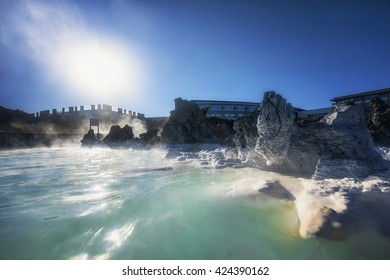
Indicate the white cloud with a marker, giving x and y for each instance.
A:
(43, 27)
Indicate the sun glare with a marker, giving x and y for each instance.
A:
(98, 68)
(78, 60)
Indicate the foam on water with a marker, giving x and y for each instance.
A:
(176, 203)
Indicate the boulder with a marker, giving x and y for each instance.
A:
(188, 124)
(89, 139)
(118, 137)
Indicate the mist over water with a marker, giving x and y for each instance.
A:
(73, 203)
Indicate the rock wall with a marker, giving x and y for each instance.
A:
(119, 137)
(379, 125)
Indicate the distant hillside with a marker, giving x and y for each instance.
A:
(22, 130)
(7, 115)
(17, 121)
(10, 118)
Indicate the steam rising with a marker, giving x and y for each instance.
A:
(139, 126)
(43, 133)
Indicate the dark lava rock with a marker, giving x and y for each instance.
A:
(188, 124)
(89, 139)
(119, 137)
(379, 125)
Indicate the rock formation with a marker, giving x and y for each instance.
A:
(89, 139)
(119, 137)
(338, 146)
(275, 125)
(188, 124)
(340, 139)
(311, 149)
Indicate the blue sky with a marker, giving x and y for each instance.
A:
(142, 54)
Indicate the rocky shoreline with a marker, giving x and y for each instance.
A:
(324, 151)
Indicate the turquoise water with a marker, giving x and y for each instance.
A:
(73, 203)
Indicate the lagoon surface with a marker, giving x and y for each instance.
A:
(73, 203)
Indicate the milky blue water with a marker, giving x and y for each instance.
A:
(73, 203)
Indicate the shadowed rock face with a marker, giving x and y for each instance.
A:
(379, 125)
(89, 139)
(119, 136)
(188, 124)
(246, 131)
(21, 130)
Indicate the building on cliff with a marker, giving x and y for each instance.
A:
(101, 111)
(364, 97)
(321, 112)
(227, 109)
(230, 110)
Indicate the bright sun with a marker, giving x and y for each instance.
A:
(98, 68)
